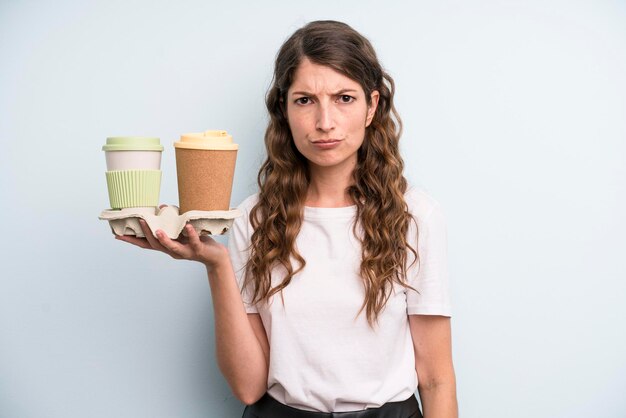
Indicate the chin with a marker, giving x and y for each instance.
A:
(327, 163)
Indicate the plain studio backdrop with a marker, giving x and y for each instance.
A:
(514, 116)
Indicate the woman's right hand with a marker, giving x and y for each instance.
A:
(193, 247)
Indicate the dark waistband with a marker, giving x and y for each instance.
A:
(268, 407)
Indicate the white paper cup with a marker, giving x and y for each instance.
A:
(133, 171)
(133, 160)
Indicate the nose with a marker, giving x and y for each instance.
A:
(325, 120)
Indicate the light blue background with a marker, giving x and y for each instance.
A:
(514, 120)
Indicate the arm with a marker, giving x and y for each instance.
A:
(241, 343)
(433, 363)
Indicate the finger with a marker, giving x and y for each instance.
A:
(194, 238)
(198, 243)
(162, 206)
(173, 247)
(140, 242)
(149, 236)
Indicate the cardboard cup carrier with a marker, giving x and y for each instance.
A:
(205, 167)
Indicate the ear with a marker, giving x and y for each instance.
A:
(371, 109)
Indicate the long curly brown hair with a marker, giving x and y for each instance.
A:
(382, 217)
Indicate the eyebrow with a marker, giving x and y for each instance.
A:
(340, 92)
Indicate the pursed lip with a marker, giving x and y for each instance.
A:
(326, 144)
(325, 141)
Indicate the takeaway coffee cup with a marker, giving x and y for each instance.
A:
(205, 166)
(133, 171)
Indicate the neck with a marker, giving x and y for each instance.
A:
(328, 186)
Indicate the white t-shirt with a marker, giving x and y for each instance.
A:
(322, 356)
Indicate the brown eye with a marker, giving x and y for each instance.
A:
(344, 98)
(303, 100)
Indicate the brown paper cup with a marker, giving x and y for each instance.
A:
(205, 178)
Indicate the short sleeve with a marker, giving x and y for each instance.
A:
(239, 250)
(430, 276)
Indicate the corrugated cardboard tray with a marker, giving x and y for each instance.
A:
(126, 221)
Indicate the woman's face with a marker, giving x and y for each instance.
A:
(327, 114)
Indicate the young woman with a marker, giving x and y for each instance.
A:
(332, 294)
